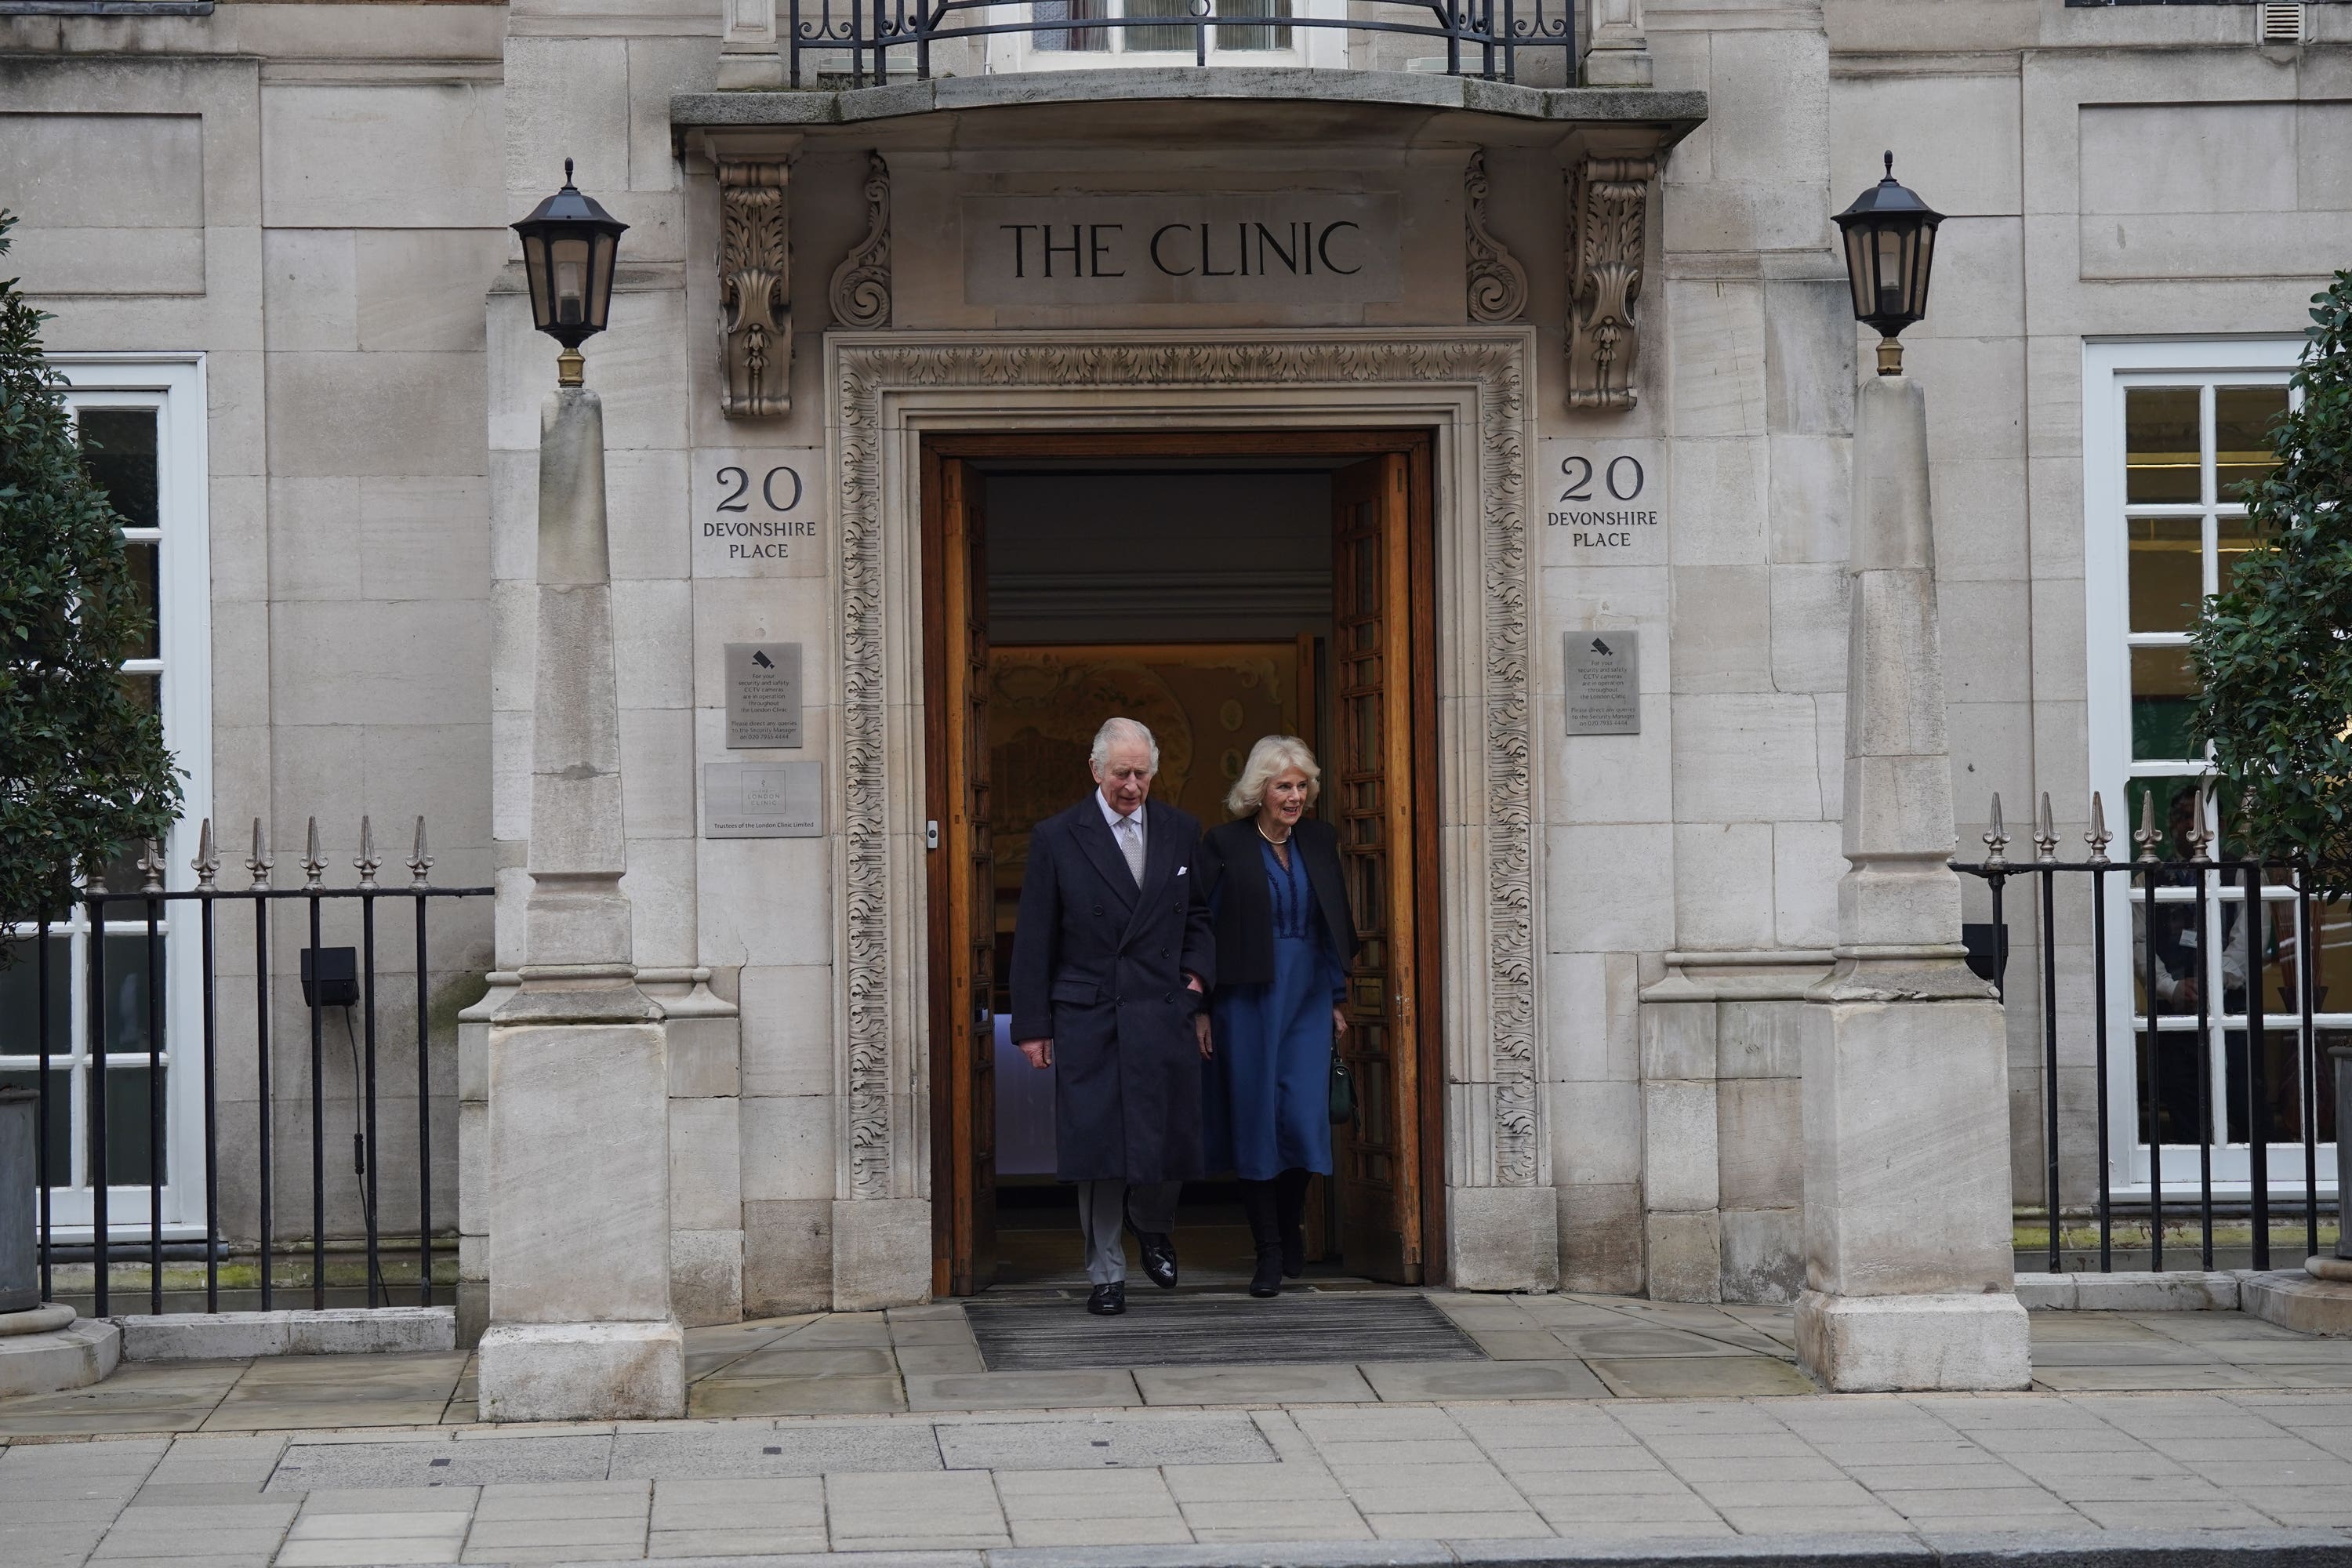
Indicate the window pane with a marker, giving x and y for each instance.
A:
(2243, 417)
(54, 1173)
(147, 691)
(1254, 37)
(119, 445)
(2160, 444)
(129, 1133)
(2163, 694)
(2233, 537)
(1160, 38)
(20, 999)
(1058, 38)
(144, 581)
(127, 980)
(2167, 573)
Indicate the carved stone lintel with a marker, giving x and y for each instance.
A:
(1607, 203)
(1498, 284)
(861, 284)
(755, 288)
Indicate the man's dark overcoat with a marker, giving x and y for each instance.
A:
(1098, 967)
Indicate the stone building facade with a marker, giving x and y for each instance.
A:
(1600, 333)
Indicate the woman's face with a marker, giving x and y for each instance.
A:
(1285, 796)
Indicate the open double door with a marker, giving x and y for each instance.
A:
(1378, 791)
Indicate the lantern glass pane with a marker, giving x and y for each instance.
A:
(534, 266)
(1923, 257)
(568, 271)
(1888, 263)
(600, 297)
(1857, 270)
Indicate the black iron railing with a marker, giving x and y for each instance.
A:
(131, 931)
(2204, 937)
(883, 38)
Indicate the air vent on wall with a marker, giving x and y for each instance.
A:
(2282, 24)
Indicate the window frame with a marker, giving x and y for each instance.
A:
(173, 386)
(1311, 47)
(2110, 369)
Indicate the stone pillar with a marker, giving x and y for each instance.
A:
(1619, 52)
(747, 50)
(1908, 1266)
(581, 1326)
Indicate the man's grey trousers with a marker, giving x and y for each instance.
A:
(1104, 1205)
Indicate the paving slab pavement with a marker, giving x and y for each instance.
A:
(1599, 1431)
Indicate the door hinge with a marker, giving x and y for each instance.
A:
(931, 833)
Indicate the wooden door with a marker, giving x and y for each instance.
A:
(1370, 789)
(962, 878)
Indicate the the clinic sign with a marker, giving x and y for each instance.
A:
(1305, 247)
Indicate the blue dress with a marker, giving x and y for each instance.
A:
(1267, 1105)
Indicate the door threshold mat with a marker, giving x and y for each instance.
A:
(1170, 1330)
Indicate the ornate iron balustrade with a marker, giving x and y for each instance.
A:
(1482, 37)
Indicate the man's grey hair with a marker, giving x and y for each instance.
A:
(1267, 760)
(1114, 730)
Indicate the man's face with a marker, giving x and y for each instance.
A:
(1125, 775)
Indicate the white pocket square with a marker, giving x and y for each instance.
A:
(1183, 871)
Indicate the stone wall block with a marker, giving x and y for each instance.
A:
(1723, 637)
(1719, 353)
(1809, 362)
(1759, 1038)
(706, 1277)
(1679, 1039)
(787, 1029)
(1745, 757)
(1684, 1256)
(1810, 477)
(1722, 490)
(881, 1253)
(550, 118)
(1806, 865)
(1763, 1253)
(1761, 1143)
(1637, 915)
(1808, 627)
(705, 1188)
(787, 1257)
(1723, 881)
(1596, 1133)
(1503, 1239)
(1600, 1239)
(310, 289)
(788, 1147)
(342, 157)
(1592, 1017)
(1680, 1165)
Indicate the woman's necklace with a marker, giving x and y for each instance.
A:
(1269, 837)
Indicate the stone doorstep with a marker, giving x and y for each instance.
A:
(334, 1330)
(2293, 1299)
(2133, 1291)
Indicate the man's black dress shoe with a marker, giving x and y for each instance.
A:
(1106, 1301)
(1159, 1255)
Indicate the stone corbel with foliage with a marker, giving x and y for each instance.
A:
(755, 278)
(1607, 210)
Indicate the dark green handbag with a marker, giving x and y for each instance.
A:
(1343, 1092)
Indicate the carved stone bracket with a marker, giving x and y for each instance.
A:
(1608, 199)
(755, 287)
(861, 284)
(1498, 284)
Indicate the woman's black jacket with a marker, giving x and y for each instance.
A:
(1230, 859)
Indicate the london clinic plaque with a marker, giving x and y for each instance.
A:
(763, 800)
(1604, 683)
(763, 695)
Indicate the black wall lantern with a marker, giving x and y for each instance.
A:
(568, 245)
(1890, 239)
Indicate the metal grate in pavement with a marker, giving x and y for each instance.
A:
(1217, 1331)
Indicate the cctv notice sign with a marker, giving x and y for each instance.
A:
(1604, 683)
(763, 695)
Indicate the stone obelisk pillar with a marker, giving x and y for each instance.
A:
(581, 1326)
(1908, 1268)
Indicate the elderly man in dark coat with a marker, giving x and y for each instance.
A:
(1112, 960)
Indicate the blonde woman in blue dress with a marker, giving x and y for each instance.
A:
(1284, 937)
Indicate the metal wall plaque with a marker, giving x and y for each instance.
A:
(763, 800)
(763, 695)
(1604, 683)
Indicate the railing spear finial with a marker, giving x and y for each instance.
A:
(368, 860)
(2045, 835)
(420, 862)
(206, 865)
(314, 867)
(258, 863)
(151, 866)
(2099, 837)
(2199, 837)
(1996, 837)
(2148, 837)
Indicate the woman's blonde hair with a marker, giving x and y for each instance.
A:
(1267, 759)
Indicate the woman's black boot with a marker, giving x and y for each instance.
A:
(1290, 1214)
(1257, 1203)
